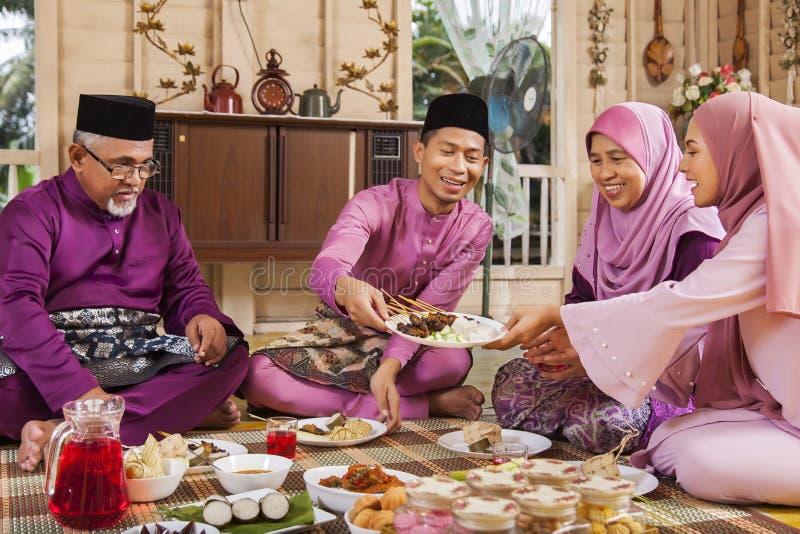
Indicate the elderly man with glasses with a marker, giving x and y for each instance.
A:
(90, 263)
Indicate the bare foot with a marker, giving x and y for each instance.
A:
(35, 437)
(463, 401)
(225, 416)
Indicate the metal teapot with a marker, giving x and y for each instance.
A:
(316, 103)
(222, 98)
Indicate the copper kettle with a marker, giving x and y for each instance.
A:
(222, 98)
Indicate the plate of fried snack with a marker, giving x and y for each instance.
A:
(338, 431)
(198, 454)
(371, 513)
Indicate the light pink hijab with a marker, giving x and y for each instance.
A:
(628, 252)
(755, 144)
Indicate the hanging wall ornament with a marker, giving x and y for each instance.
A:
(599, 17)
(791, 40)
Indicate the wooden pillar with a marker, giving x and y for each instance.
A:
(47, 87)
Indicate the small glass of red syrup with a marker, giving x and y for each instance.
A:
(282, 436)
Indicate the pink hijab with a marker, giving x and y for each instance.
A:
(756, 148)
(628, 252)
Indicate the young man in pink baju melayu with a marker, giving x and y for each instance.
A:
(416, 238)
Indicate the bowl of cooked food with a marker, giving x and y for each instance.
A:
(158, 485)
(246, 472)
(337, 488)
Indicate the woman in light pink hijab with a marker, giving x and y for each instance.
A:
(643, 229)
(742, 444)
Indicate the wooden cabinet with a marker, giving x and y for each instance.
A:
(252, 188)
(312, 193)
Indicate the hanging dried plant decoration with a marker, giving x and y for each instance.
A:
(352, 75)
(791, 40)
(151, 28)
(599, 17)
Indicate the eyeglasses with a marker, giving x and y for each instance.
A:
(146, 170)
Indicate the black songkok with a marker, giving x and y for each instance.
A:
(123, 117)
(459, 110)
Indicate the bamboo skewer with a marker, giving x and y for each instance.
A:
(421, 305)
(396, 310)
(392, 300)
(393, 303)
(430, 308)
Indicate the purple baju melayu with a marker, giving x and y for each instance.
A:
(58, 251)
(385, 237)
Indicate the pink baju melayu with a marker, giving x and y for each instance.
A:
(742, 445)
(385, 237)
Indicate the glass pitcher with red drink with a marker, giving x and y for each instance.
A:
(85, 478)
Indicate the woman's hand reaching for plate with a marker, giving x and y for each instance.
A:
(526, 324)
(553, 353)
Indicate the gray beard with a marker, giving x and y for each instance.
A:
(121, 211)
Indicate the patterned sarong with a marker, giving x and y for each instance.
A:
(332, 351)
(574, 408)
(120, 346)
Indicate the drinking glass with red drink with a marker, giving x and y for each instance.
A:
(85, 476)
(282, 436)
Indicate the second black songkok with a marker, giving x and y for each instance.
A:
(459, 110)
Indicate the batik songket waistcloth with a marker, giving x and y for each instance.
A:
(120, 346)
(574, 408)
(332, 351)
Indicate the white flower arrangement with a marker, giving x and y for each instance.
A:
(698, 86)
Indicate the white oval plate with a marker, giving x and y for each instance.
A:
(230, 447)
(176, 526)
(306, 438)
(645, 482)
(454, 441)
(394, 321)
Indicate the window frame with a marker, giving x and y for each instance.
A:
(45, 153)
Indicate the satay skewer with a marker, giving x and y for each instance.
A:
(396, 303)
(413, 303)
(431, 306)
(396, 310)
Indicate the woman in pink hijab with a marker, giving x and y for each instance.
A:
(643, 229)
(742, 444)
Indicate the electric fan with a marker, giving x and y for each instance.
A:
(515, 91)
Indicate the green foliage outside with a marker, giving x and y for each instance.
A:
(17, 97)
(436, 67)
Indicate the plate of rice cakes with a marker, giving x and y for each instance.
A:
(338, 431)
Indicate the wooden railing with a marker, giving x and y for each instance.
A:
(549, 226)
